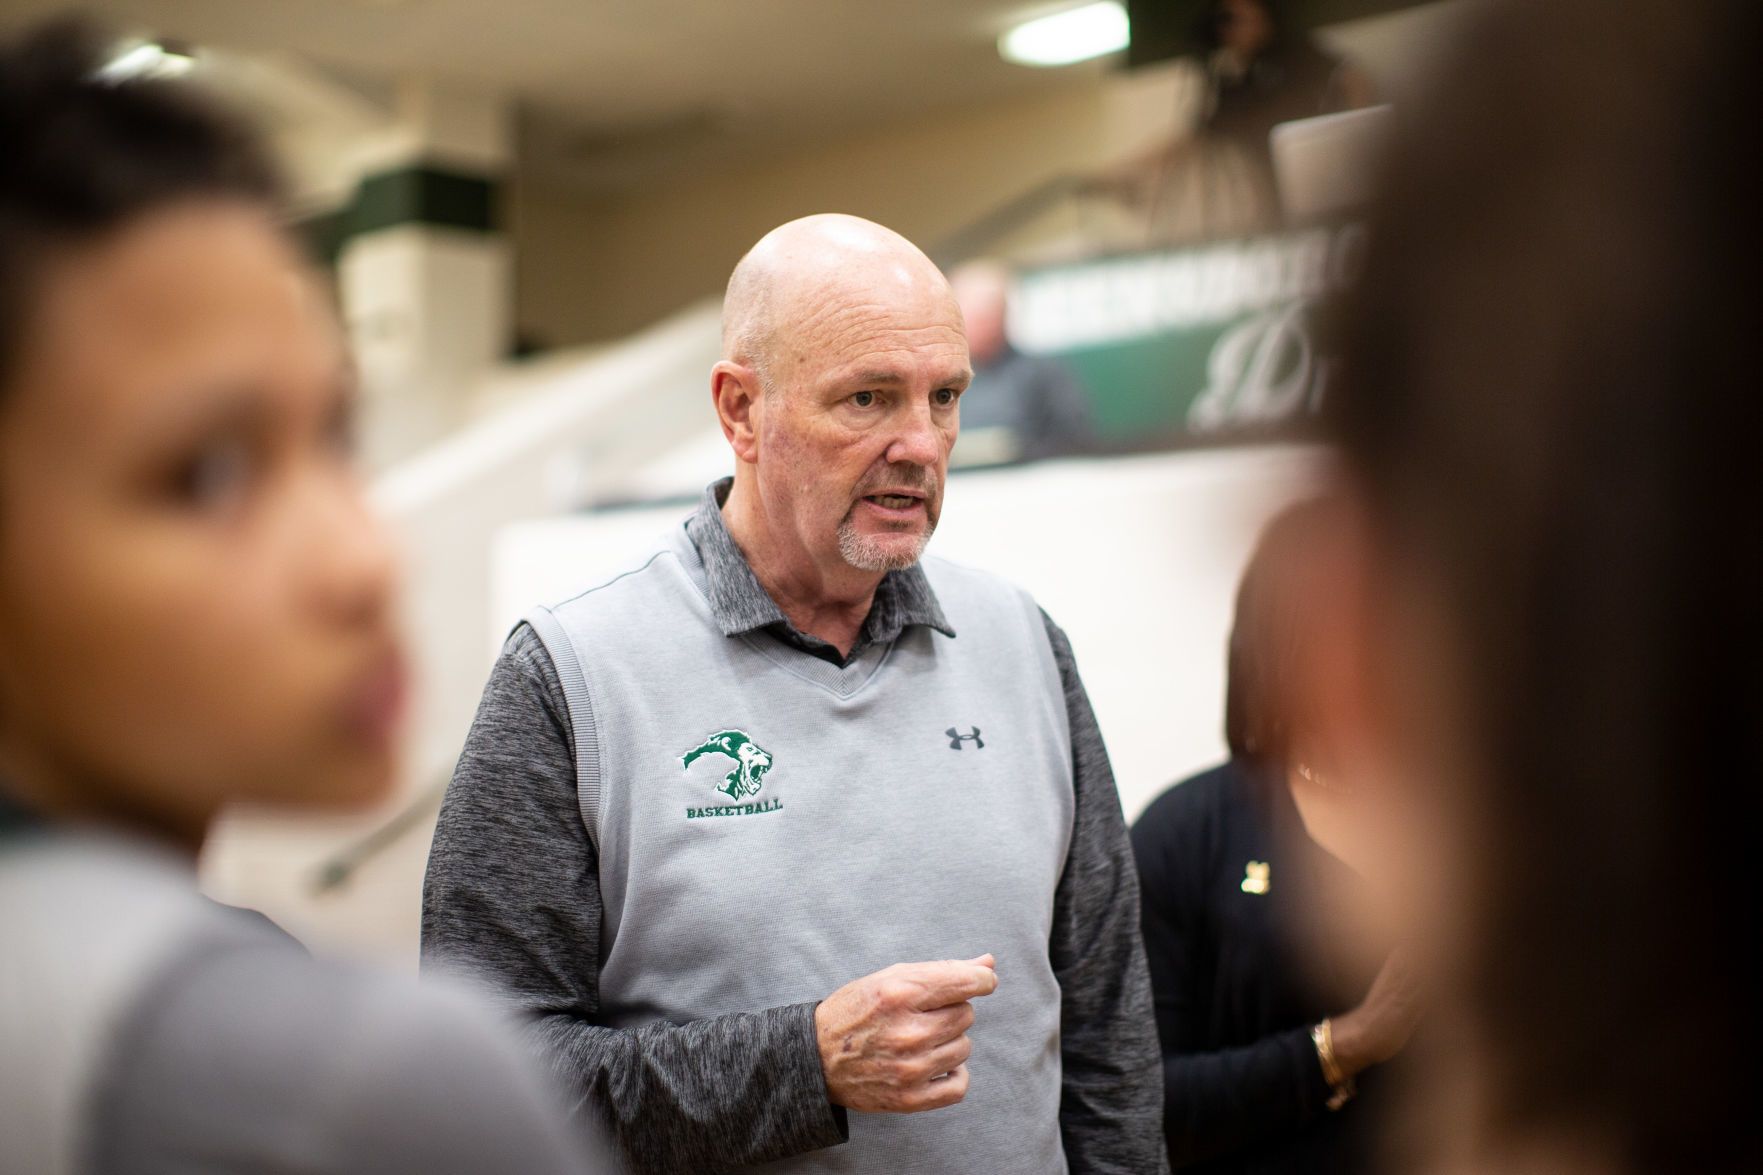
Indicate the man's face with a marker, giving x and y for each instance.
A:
(856, 428)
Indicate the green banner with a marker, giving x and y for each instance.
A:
(1194, 343)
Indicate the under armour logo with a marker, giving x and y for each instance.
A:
(956, 738)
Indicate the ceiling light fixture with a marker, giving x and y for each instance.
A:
(148, 59)
(1076, 34)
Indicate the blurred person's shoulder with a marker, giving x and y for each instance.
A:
(254, 1051)
(150, 1029)
(90, 919)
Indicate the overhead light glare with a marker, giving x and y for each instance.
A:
(1076, 34)
(147, 59)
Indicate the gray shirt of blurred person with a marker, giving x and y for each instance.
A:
(149, 1031)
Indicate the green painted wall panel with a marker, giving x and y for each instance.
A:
(1191, 343)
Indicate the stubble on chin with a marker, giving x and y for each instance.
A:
(884, 553)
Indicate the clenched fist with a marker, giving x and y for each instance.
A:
(896, 1041)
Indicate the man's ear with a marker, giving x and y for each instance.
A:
(734, 390)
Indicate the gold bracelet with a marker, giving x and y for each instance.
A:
(1322, 1036)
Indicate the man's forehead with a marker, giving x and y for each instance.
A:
(835, 327)
(887, 350)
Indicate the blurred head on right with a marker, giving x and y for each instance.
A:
(1547, 642)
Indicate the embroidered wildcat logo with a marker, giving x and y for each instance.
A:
(752, 761)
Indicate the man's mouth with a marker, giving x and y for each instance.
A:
(894, 501)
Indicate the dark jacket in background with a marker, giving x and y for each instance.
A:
(1235, 996)
(1022, 407)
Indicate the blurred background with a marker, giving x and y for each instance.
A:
(528, 210)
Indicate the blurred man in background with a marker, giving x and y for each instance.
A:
(723, 823)
(195, 609)
(1019, 407)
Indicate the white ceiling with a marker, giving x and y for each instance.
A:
(635, 83)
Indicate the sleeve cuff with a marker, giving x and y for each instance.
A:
(831, 1125)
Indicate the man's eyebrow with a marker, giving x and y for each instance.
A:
(881, 376)
(878, 376)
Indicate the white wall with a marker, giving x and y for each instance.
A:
(1136, 558)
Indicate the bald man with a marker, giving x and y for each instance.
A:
(1020, 407)
(800, 849)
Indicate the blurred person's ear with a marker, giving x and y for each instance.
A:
(735, 391)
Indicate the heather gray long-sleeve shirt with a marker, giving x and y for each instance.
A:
(513, 893)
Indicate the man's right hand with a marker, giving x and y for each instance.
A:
(896, 1042)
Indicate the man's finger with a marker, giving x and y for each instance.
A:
(949, 982)
(947, 1058)
(944, 1091)
(941, 1025)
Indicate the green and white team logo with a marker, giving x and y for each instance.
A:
(752, 761)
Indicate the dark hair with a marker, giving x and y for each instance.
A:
(81, 156)
(1550, 399)
(1267, 637)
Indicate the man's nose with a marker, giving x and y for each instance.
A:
(919, 442)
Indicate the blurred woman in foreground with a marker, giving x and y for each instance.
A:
(195, 609)
(1270, 1015)
(1548, 626)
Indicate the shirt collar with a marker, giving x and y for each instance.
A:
(741, 603)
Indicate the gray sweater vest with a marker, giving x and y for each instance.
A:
(771, 826)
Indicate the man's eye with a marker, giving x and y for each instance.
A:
(863, 399)
(946, 396)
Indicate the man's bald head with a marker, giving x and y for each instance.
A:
(803, 275)
(983, 290)
(839, 474)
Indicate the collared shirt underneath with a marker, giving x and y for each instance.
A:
(741, 603)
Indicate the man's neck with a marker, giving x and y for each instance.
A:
(826, 602)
